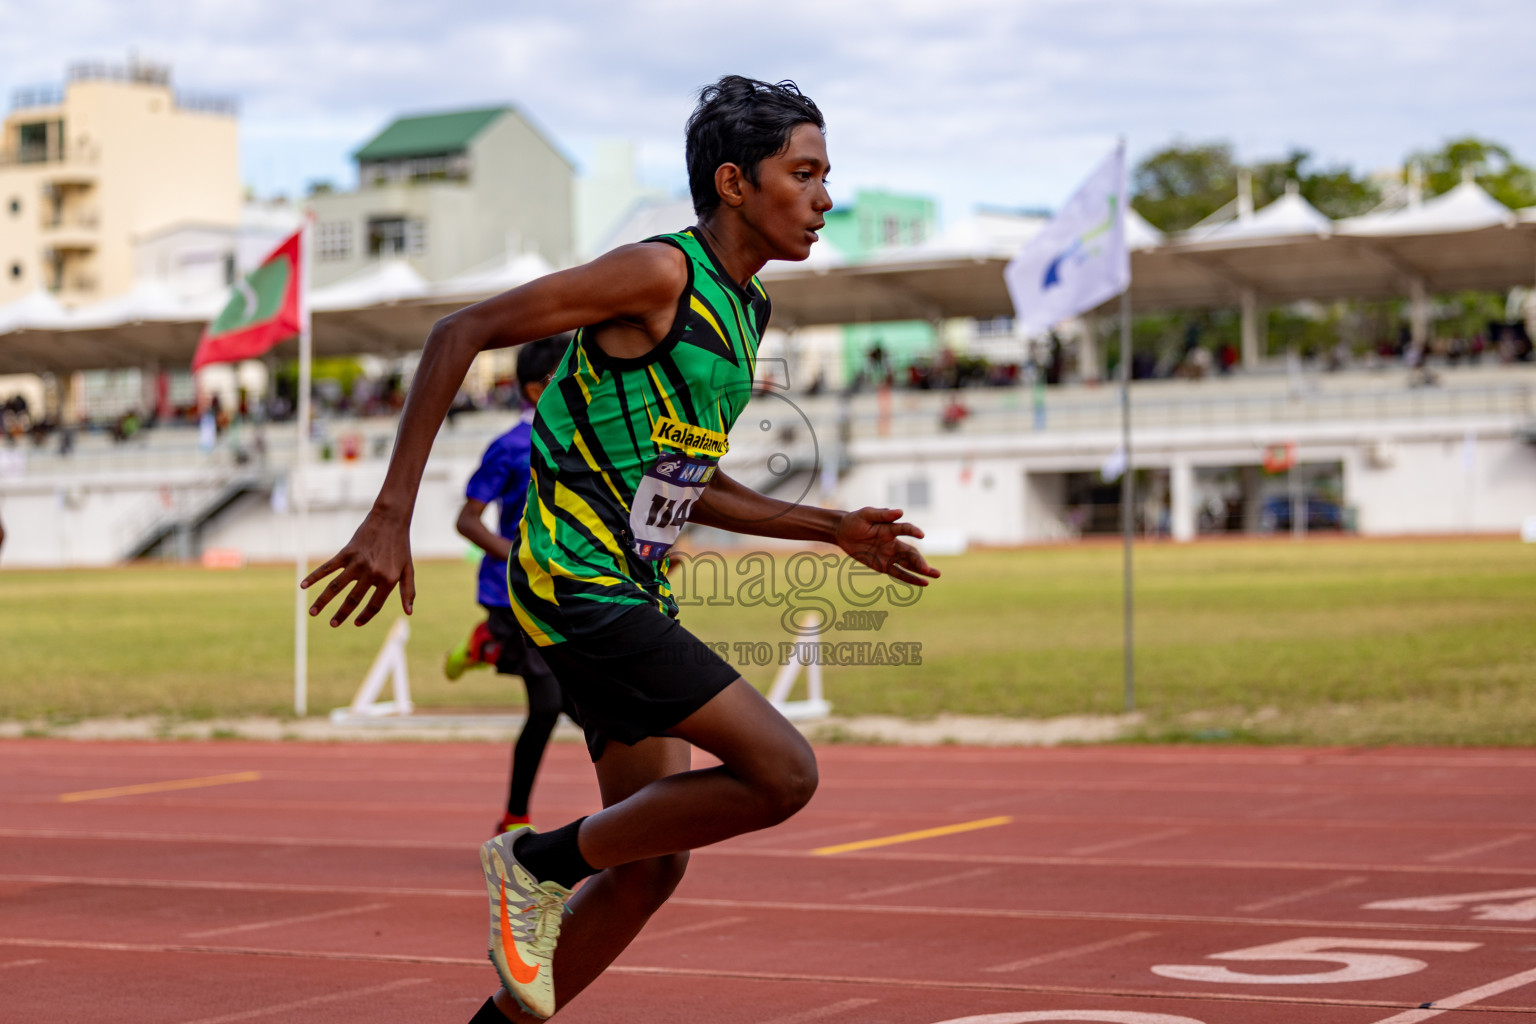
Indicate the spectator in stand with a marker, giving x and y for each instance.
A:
(1055, 364)
(1226, 358)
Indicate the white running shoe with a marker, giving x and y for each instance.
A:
(525, 925)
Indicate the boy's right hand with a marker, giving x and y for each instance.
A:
(376, 558)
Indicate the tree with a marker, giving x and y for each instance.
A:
(1181, 185)
(1335, 191)
(1494, 166)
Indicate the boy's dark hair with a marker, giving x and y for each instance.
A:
(741, 121)
(537, 360)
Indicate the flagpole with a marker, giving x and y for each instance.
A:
(1127, 496)
(1128, 479)
(300, 492)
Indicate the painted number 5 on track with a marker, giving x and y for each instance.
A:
(1351, 966)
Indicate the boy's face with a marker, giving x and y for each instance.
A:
(788, 203)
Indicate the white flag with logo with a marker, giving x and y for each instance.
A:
(1079, 259)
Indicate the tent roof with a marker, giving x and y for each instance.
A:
(387, 281)
(389, 309)
(1466, 207)
(37, 309)
(1288, 216)
(506, 271)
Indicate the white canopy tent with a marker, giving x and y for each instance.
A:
(1284, 252)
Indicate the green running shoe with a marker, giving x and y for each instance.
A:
(479, 650)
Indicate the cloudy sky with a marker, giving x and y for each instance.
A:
(1003, 102)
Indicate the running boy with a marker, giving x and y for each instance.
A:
(502, 477)
(626, 443)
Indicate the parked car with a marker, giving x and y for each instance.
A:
(1322, 513)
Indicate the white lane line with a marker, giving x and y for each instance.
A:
(478, 964)
(279, 922)
(926, 883)
(795, 837)
(299, 1004)
(996, 801)
(197, 885)
(20, 963)
(698, 926)
(820, 1012)
(790, 907)
(344, 842)
(293, 954)
(1064, 954)
(1304, 894)
(1469, 851)
(1281, 810)
(340, 842)
(1460, 999)
(1118, 844)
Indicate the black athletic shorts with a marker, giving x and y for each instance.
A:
(638, 677)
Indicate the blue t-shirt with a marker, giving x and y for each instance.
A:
(502, 478)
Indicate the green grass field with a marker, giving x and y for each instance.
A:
(1329, 641)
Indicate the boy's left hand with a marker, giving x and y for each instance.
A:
(872, 536)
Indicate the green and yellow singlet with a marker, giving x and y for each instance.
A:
(623, 448)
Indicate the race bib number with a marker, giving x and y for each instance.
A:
(664, 500)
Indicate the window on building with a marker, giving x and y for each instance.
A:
(892, 231)
(229, 268)
(438, 167)
(912, 493)
(334, 240)
(40, 141)
(397, 236)
(15, 206)
(15, 271)
(386, 236)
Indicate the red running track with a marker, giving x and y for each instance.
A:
(306, 883)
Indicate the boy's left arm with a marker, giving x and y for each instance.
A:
(870, 535)
(473, 529)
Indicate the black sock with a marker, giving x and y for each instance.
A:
(488, 1014)
(553, 856)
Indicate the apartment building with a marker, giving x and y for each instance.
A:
(90, 167)
(448, 193)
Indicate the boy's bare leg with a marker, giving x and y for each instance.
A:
(612, 906)
(655, 810)
(767, 773)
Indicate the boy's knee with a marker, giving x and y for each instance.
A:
(794, 785)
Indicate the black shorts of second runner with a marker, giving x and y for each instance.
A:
(517, 654)
(640, 676)
(519, 657)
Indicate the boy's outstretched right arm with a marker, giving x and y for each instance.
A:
(637, 286)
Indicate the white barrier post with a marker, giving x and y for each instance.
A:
(814, 705)
(388, 666)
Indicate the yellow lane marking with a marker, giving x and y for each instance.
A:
(158, 787)
(909, 837)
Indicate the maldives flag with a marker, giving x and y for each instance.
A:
(262, 311)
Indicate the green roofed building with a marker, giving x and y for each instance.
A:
(874, 222)
(450, 193)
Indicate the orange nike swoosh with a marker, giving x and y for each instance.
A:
(522, 973)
